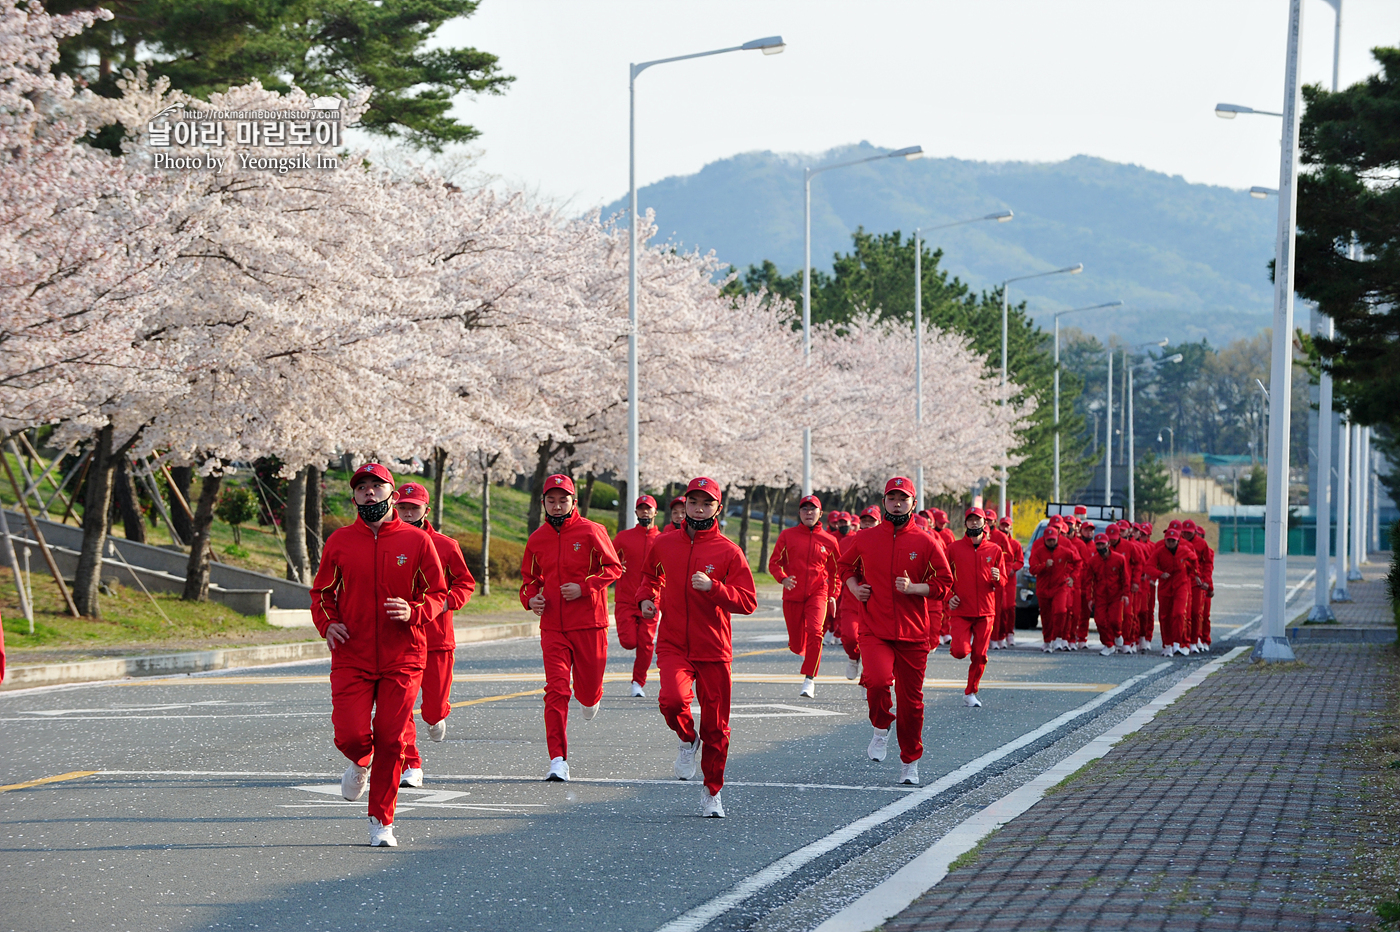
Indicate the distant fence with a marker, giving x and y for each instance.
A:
(1249, 538)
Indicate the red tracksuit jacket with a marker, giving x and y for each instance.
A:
(632, 546)
(972, 577)
(460, 586)
(1106, 579)
(579, 552)
(946, 535)
(1132, 552)
(1181, 565)
(696, 624)
(847, 605)
(878, 556)
(808, 555)
(1064, 565)
(359, 571)
(1205, 560)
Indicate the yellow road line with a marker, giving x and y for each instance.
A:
(775, 650)
(42, 780)
(458, 705)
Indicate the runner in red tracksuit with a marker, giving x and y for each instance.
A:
(892, 568)
(379, 585)
(1149, 587)
(944, 533)
(1108, 581)
(633, 631)
(979, 567)
(568, 564)
(1203, 589)
(1084, 543)
(1128, 548)
(848, 615)
(1174, 567)
(999, 537)
(1054, 563)
(804, 562)
(412, 507)
(1014, 561)
(677, 510)
(700, 577)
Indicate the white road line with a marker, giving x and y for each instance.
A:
(160, 718)
(701, 915)
(921, 874)
(1292, 594)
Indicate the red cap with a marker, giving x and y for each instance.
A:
(678, 500)
(1057, 521)
(559, 481)
(1080, 510)
(900, 484)
(645, 500)
(1005, 522)
(704, 486)
(989, 513)
(1175, 525)
(1100, 537)
(938, 513)
(1189, 525)
(413, 492)
(372, 470)
(1172, 534)
(974, 512)
(1086, 524)
(812, 500)
(1051, 534)
(1145, 528)
(1114, 533)
(872, 511)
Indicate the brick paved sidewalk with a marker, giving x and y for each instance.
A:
(1236, 808)
(1370, 602)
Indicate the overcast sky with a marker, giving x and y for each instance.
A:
(1128, 80)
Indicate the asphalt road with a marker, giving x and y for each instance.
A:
(213, 802)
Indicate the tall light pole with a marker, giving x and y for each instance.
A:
(1005, 289)
(770, 45)
(1339, 592)
(1001, 216)
(1358, 497)
(908, 152)
(1171, 458)
(1058, 315)
(1132, 455)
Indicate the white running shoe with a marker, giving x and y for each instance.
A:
(438, 732)
(1108, 651)
(1205, 647)
(354, 782)
(411, 776)
(971, 701)
(1049, 647)
(853, 669)
(809, 689)
(1168, 651)
(829, 638)
(591, 711)
(637, 691)
(381, 835)
(879, 744)
(558, 770)
(1180, 650)
(946, 639)
(1010, 639)
(1118, 642)
(909, 774)
(686, 759)
(710, 806)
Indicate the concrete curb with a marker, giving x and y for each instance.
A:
(53, 674)
(1341, 634)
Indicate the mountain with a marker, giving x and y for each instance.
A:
(1189, 261)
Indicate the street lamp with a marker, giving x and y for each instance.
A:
(908, 152)
(1132, 455)
(1005, 288)
(1230, 111)
(771, 45)
(1001, 216)
(1058, 315)
(1171, 459)
(1258, 192)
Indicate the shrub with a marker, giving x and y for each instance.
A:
(330, 522)
(505, 556)
(604, 497)
(237, 505)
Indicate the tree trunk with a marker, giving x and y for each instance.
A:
(484, 580)
(586, 498)
(294, 527)
(347, 462)
(744, 521)
(181, 477)
(767, 529)
(315, 505)
(97, 504)
(197, 570)
(782, 517)
(127, 502)
(622, 509)
(439, 477)
(543, 453)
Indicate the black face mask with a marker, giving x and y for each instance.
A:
(419, 522)
(1103, 551)
(976, 531)
(1052, 544)
(699, 524)
(896, 520)
(556, 521)
(643, 522)
(842, 530)
(373, 512)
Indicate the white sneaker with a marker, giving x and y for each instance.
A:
(809, 689)
(909, 774)
(879, 744)
(589, 712)
(829, 638)
(558, 770)
(1168, 651)
(438, 732)
(971, 701)
(411, 776)
(685, 759)
(637, 691)
(1010, 640)
(710, 806)
(381, 835)
(1205, 647)
(354, 782)
(852, 669)
(1118, 642)
(1049, 647)
(946, 639)
(1108, 651)
(1180, 650)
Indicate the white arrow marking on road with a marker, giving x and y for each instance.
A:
(436, 799)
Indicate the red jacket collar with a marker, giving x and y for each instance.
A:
(570, 520)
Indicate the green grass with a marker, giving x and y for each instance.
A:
(969, 857)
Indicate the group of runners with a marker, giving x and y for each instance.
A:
(892, 585)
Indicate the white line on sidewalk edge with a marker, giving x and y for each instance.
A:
(921, 874)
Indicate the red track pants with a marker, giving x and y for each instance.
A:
(901, 663)
(848, 630)
(806, 620)
(1056, 615)
(971, 635)
(681, 679)
(1197, 616)
(1108, 616)
(637, 633)
(1205, 620)
(584, 653)
(1147, 598)
(437, 701)
(371, 712)
(1173, 604)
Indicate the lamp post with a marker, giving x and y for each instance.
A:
(1358, 496)
(1132, 456)
(771, 45)
(1339, 591)
(1005, 288)
(908, 152)
(1058, 315)
(1001, 216)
